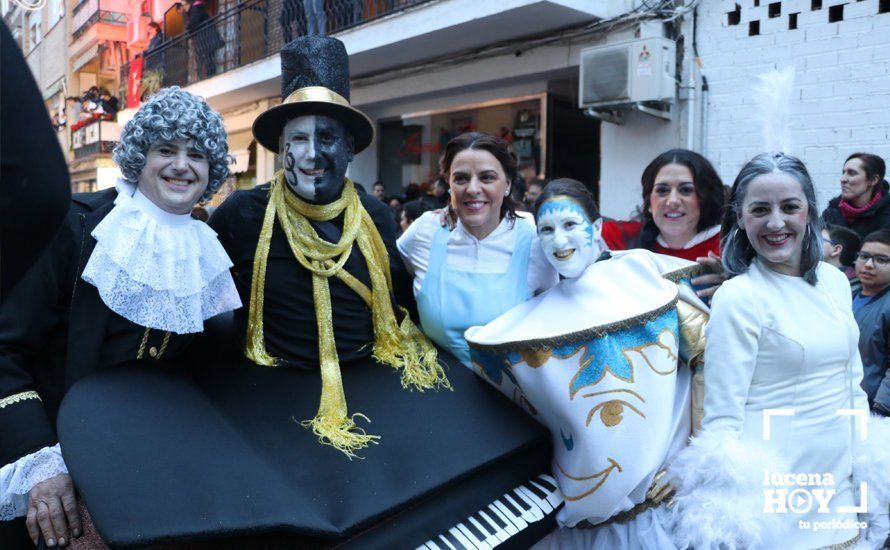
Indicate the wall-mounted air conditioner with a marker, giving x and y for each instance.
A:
(627, 73)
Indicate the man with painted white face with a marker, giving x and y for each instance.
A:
(604, 360)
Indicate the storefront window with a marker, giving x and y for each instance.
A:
(410, 148)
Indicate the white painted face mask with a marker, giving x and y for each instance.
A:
(568, 238)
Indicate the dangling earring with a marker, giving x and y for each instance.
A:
(507, 192)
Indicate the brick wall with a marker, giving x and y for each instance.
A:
(841, 100)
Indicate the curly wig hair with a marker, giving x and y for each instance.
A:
(169, 115)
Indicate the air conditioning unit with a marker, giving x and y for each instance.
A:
(628, 72)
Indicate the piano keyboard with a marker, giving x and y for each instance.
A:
(506, 517)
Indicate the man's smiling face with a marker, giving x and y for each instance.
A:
(316, 151)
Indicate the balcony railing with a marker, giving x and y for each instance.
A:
(89, 12)
(254, 30)
(94, 136)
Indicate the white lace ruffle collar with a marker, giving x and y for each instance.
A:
(159, 270)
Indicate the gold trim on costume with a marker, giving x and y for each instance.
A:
(17, 397)
(581, 335)
(690, 271)
(603, 475)
(316, 93)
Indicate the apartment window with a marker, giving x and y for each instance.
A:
(35, 29)
(55, 10)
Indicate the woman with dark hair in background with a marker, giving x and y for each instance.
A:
(683, 200)
(682, 207)
(864, 202)
(484, 258)
(781, 336)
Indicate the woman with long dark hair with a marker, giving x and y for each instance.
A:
(682, 206)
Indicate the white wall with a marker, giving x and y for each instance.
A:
(841, 100)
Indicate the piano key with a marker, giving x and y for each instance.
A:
(455, 532)
(508, 525)
(446, 542)
(512, 516)
(491, 537)
(466, 526)
(540, 507)
(476, 540)
(536, 489)
(495, 528)
(548, 482)
(430, 545)
(525, 511)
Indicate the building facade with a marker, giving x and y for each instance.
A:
(426, 70)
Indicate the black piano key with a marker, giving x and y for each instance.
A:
(510, 514)
(472, 532)
(476, 541)
(490, 536)
(498, 531)
(512, 506)
(508, 526)
(533, 501)
(536, 489)
(548, 482)
(447, 543)
(461, 539)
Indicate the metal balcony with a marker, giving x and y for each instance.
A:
(89, 12)
(255, 30)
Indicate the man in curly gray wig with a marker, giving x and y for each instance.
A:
(129, 279)
(173, 115)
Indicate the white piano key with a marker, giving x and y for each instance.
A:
(541, 506)
(446, 542)
(544, 503)
(498, 532)
(491, 538)
(510, 526)
(455, 532)
(482, 545)
(516, 520)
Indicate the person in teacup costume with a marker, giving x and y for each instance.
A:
(604, 360)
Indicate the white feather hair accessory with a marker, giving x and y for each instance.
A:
(772, 99)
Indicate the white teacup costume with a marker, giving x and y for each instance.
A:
(602, 360)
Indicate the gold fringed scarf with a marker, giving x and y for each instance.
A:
(400, 345)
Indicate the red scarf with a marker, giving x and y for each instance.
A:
(850, 212)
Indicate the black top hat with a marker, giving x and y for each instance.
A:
(314, 81)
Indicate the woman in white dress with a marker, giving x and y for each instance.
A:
(778, 461)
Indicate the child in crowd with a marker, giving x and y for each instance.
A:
(871, 307)
(839, 248)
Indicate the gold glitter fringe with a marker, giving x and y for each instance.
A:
(400, 345)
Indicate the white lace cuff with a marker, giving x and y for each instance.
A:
(17, 479)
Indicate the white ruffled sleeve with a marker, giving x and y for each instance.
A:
(17, 479)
